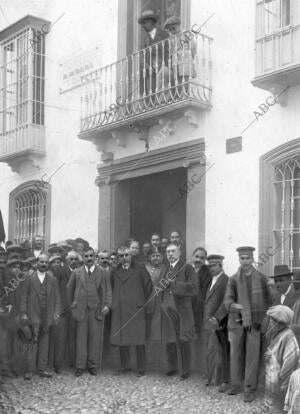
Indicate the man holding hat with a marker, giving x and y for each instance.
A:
(215, 325)
(155, 61)
(247, 299)
(286, 294)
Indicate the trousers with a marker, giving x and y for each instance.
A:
(140, 356)
(185, 354)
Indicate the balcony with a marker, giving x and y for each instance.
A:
(23, 143)
(171, 76)
(278, 59)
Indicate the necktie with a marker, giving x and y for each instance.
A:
(89, 273)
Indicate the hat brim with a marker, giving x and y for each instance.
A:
(283, 275)
(151, 16)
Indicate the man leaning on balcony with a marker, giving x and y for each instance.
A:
(155, 61)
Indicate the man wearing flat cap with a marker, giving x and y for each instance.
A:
(215, 325)
(155, 60)
(247, 299)
(286, 293)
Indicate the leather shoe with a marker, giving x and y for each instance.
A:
(28, 376)
(223, 387)
(45, 374)
(79, 372)
(234, 391)
(184, 376)
(171, 373)
(249, 396)
(93, 371)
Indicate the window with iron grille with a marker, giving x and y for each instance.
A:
(30, 212)
(22, 79)
(287, 211)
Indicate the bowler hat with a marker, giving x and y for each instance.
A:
(172, 20)
(14, 248)
(281, 271)
(147, 14)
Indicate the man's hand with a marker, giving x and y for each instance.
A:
(24, 317)
(236, 307)
(213, 323)
(105, 310)
(56, 316)
(73, 305)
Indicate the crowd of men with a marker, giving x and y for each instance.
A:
(54, 303)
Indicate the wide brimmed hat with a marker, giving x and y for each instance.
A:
(83, 242)
(172, 20)
(281, 271)
(12, 262)
(54, 257)
(55, 248)
(67, 247)
(147, 14)
(14, 248)
(30, 260)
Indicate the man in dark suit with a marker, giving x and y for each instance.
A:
(180, 285)
(285, 291)
(204, 279)
(40, 305)
(155, 60)
(131, 288)
(89, 293)
(215, 325)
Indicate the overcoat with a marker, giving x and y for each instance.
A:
(214, 305)
(182, 289)
(131, 290)
(77, 290)
(30, 300)
(289, 300)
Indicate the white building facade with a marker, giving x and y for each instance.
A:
(140, 137)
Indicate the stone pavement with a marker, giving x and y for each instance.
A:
(124, 394)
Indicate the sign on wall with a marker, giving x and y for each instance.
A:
(73, 69)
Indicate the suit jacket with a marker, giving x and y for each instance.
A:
(78, 294)
(183, 287)
(30, 299)
(158, 54)
(62, 276)
(214, 302)
(289, 300)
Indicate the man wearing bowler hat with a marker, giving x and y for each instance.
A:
(286, 294)
(215, 325)
(155, 60)
(247, 299)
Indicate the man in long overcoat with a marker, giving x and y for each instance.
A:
(89, 293)
(247, 298)
(178, 287)
(40, 305)
(215, 325)
(131, 291)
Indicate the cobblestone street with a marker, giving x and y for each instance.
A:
(124, 394)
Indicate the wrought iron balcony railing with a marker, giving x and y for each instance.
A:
(165, 74)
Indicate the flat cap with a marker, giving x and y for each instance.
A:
(215, 259)
(245, 250)
(30, 260)
(172, 20)
(147, 14)
(55, 248)
(65, 245)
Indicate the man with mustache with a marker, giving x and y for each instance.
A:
(89, 294)
(41, 307)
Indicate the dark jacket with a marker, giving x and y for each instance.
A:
(214, 302)
(289, 300)
(178, 323)
(30, 300)
(131, 289)
(158, 54)
(77, 290)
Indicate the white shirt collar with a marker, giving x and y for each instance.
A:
(37, 252)
(92, 268)
(284, 295)
(41, 276)
(174, 264)
(214, 279)
(152, 34)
